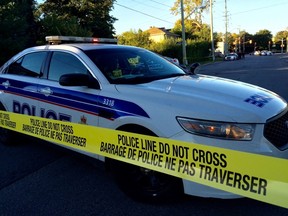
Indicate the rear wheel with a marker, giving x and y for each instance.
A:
(144, 184)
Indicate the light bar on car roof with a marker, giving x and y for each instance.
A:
(74, 39)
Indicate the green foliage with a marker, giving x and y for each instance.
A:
(133, 38)
(89, 15)
(262, 39)
(279, 42)
(281, 35)
(259, 41)
(193, 29)
(195, 50)
(17, 27)
(53, 25)
(23, 25)
(169, 47)
(189, 8)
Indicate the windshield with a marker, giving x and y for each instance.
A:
(131, 65)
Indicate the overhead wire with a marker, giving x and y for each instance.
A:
(160, 3)
(217, 17)
(255, 9)
(146, 14)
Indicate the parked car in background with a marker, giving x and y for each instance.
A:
(263, 52)
(231, 57)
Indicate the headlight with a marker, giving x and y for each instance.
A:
(221, 130)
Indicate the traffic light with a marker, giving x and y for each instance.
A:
(250, 41)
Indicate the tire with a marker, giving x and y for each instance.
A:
(143, 184)
(146, 185)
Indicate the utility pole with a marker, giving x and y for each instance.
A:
(183, 35)
(212, 36)
(226, 30)
(282, 45)
(287, 45)
(244, 42)
(185, 62)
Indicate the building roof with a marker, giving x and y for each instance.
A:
(162, 30)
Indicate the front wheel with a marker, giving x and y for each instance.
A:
(141, 183)
(144, 184)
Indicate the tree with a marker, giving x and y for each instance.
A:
(247, 42)
(17, 26)
(133, 38)
(53, 25)
(281, 34)
(280, 39)
(190, 9)
(91, 16)
(193, 29)
(262, 38)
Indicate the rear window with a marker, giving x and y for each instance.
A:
(28, 65)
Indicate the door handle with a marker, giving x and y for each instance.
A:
(46, 91)
(6, 84)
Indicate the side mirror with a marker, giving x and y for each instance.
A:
(193, 67)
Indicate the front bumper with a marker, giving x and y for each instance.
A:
(259, 145)
(196, 189)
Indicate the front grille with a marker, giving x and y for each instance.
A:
(276, 131)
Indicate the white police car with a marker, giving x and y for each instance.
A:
(132, 89)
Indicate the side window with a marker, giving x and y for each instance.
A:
(64, 63)
(28, 65)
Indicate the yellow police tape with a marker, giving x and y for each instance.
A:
(255, 176)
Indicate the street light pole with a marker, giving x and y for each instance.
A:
(183, 35)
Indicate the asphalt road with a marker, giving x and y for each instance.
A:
(270, 72)
(37, 178)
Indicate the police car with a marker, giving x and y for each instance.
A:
(132, 89)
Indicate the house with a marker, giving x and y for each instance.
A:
(220, 47)
(160, 34)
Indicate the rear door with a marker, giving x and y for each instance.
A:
(19, 83)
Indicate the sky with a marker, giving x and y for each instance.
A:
(243, 15)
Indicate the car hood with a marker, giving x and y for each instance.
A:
(207, 97)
